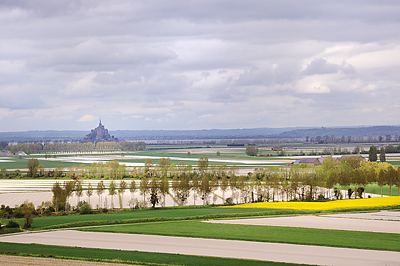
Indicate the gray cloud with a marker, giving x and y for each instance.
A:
(189, 64)
(322, 66)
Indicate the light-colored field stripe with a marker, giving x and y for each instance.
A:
(381, 215)
(211, 247)
(321, 222)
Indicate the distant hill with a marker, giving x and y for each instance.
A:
(373, 131)
(45, 135)
(253, 133)
(71, 135)
(199, 134)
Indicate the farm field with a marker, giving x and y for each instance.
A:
(291, 235)
(121, 256)
(163, 213)
(328, 205)
(198, 229)
(212, 247)
(177, 153)
(264, 223)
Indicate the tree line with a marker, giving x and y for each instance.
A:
(75, 147)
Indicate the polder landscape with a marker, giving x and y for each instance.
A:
(219, 132)
(127, 199)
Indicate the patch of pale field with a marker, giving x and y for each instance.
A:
(6, 260)
(222, 150)
(390, 223)
(321, 156)
(6, 161)
(392, 159)
(382, 215)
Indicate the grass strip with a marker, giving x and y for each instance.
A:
(275, 234)
(9, 230)
(164, 219)
(121, 256)
(169, 214)
(149, 215)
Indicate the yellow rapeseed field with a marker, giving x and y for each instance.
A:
(329, 205)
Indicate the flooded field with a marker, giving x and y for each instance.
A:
(15, 192)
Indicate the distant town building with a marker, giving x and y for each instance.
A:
(308, 161)
(320, 160)
(99, 134)
(350, 156)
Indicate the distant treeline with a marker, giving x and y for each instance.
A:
(316, 135)
(351, 139)
(74, 147)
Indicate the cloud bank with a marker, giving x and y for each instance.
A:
(198, 64)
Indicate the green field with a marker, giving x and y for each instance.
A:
(120, 256)
(291, 235)
(375, 189)
(142, 214)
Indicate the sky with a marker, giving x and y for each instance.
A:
(209, 64)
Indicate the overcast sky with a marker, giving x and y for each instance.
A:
(198, 64)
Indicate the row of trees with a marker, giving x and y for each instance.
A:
(351, 139)
(106, 146)
(252, 150)
(75, 147)
(114, 170)
(28, 148)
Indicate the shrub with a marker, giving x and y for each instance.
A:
(85, 208)
(62, 213)
(251, 150)
(47, 212)
(28, 222)
(229, 201)
(12, 224)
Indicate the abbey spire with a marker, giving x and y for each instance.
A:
(99, 134)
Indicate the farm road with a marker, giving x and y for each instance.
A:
(211, 247)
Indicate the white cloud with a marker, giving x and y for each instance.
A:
(87, 118)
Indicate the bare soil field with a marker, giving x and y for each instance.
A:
(28, 261)
(389, 222)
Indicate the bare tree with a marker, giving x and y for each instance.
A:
(112, 191)
(100, 189)
(122, 186)
(89, 191)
